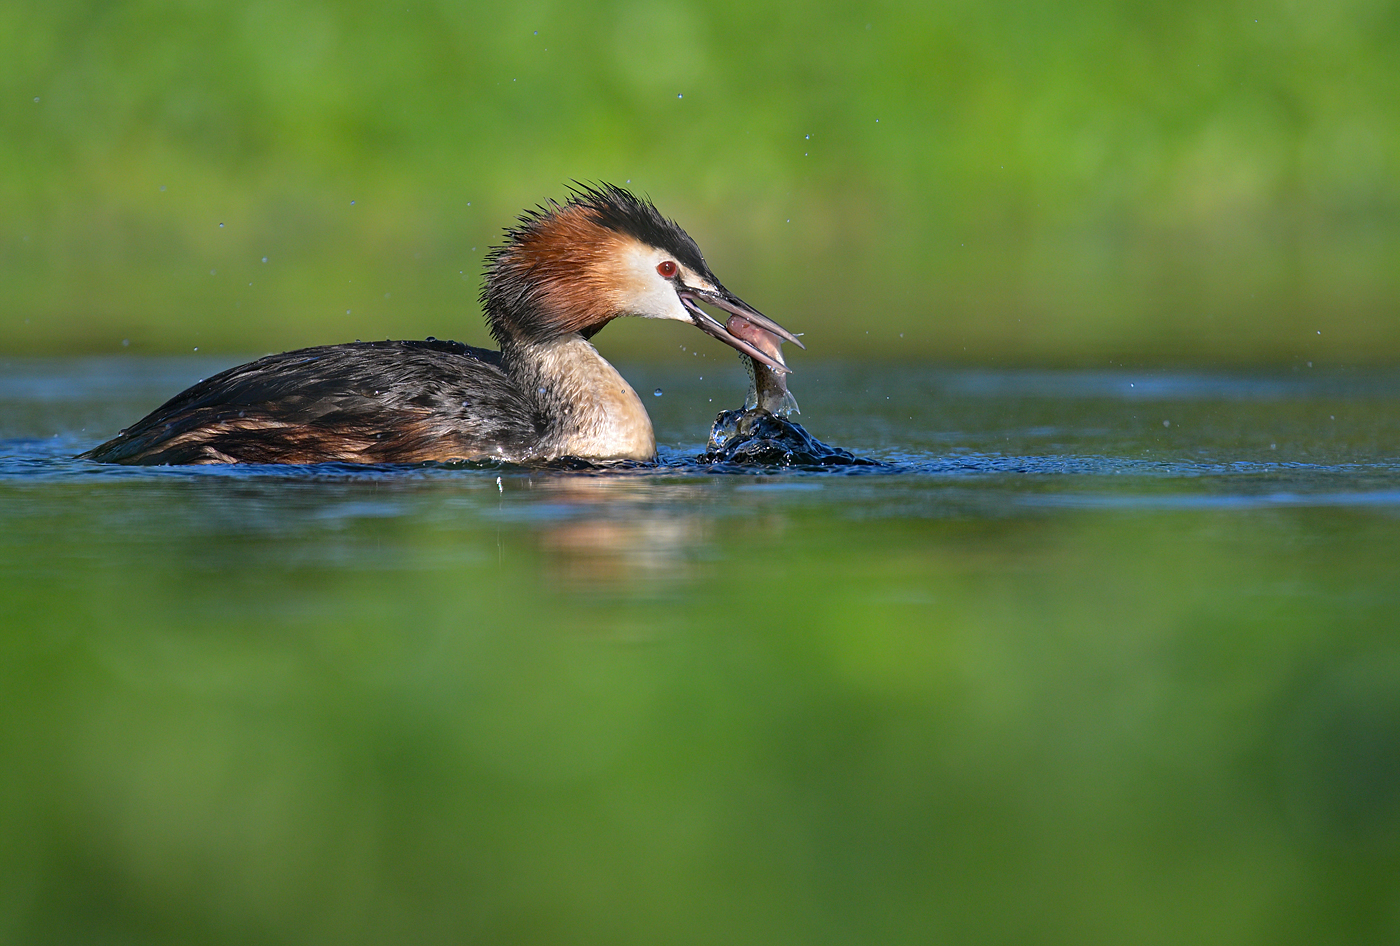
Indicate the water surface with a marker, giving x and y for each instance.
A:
(1089, 657)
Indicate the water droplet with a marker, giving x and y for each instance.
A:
(347, 311)
(162, 187)
(656, 393)
(36, 100)
(126, 342)
(432, 338)
(1166, 423)
(211, 272)
(196, 348)
(352, 203)
(221, 226)
(679, 96)
(264, 259)
(807, 137)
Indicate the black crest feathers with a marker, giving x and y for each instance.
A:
(553, 249)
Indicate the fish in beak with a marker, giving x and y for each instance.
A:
(767, 350)
(767, 386)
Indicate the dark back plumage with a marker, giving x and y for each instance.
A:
(365, 402)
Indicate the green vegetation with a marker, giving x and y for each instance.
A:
(972, 181)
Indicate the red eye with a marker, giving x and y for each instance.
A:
(666, 268)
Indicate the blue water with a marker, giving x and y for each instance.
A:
(1084, 658)
(970, 442)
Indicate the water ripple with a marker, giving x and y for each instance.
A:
(975, 442)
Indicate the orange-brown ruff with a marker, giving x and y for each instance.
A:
(563, 273)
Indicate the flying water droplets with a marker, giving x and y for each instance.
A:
(656, 393)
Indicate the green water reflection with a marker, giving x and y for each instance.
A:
(689, 710)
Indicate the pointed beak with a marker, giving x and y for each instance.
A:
(721, 299)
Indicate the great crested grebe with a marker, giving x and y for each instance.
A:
(564, 272)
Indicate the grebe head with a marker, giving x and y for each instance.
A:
(604, 254)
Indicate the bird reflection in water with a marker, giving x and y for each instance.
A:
(616, 534)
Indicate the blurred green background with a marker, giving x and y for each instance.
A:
(1004, 182)
(666, 709)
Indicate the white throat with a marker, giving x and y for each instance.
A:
(593, 411)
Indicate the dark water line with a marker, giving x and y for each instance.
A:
(57, 457)
(1066, 482)
(1383, 498)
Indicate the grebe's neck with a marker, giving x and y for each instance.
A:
(588, 409)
